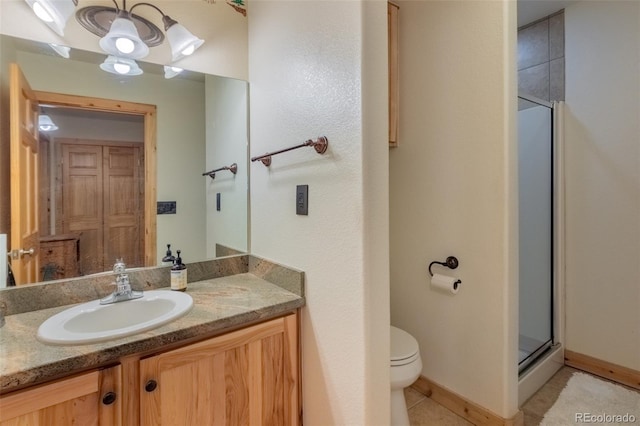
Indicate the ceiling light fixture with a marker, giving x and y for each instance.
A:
(123, 33)
(120, 66)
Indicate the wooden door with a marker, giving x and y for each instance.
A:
(23, 107)
(79, 400)
(82, 202)
(123, 203)
(102, 193)
(246, 377)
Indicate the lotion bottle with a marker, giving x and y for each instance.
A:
(179, 275)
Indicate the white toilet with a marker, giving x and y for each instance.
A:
(406, 366)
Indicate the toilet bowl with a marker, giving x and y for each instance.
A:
(406, 366)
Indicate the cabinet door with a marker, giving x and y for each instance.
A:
(246, 377)
(86, 399)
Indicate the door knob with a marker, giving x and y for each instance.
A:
(17, 254)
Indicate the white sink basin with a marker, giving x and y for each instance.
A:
(92, 322)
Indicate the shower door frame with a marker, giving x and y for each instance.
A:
(548, 363)
(534, 356)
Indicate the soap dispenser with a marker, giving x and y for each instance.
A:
(169, 258)
(179, 275)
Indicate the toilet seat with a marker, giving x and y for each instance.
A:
(404, 347)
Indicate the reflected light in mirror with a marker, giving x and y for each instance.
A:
(46, 124)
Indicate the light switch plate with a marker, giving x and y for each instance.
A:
(302, 200)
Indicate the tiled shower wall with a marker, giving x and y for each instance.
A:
(541, 58)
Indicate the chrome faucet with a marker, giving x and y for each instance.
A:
(123, 287)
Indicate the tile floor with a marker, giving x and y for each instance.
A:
(424, 411)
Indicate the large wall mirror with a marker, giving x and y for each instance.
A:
(94, 178)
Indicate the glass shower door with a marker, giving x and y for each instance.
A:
(535, 181)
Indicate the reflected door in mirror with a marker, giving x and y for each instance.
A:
(25, 236)
(101, 196)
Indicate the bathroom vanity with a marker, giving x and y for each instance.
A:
(233, 359)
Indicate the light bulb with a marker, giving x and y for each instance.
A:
(189, 50)
(125, 45)
(42, 13)
(122, 68)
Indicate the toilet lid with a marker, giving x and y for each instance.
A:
(404, 347)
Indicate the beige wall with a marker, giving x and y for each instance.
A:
(224, 30)
(227, 143)
(319, 68)
(180, 137)
(453, 191)
(603, 180)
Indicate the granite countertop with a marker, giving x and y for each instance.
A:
(220, 304)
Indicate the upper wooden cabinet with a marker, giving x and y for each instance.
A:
(92, 398)
(247, 377)
(394, 87)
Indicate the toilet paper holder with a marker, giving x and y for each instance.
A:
(451, 262)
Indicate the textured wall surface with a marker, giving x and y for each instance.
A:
(319, 68)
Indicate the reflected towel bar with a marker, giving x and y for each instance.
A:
(320, 145)
(212, 174)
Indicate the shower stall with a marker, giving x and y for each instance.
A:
(540, 213)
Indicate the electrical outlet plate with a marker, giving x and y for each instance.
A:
(166, 207)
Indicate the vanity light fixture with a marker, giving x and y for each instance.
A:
(54, 13)
(171, 71)
(120, 66)
(46, 124)
(123, 39)
(122, 33)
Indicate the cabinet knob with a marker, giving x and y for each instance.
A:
(151, 386)
(109, 398)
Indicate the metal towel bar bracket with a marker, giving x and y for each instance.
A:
(451, 263)
(212, 174)
(320, 145)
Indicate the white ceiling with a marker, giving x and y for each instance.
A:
(532, 10)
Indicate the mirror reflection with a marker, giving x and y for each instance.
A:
(109, 180)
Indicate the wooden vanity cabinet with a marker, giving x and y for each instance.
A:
(246, 377)
(86, 399)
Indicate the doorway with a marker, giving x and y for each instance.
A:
(118, 175)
